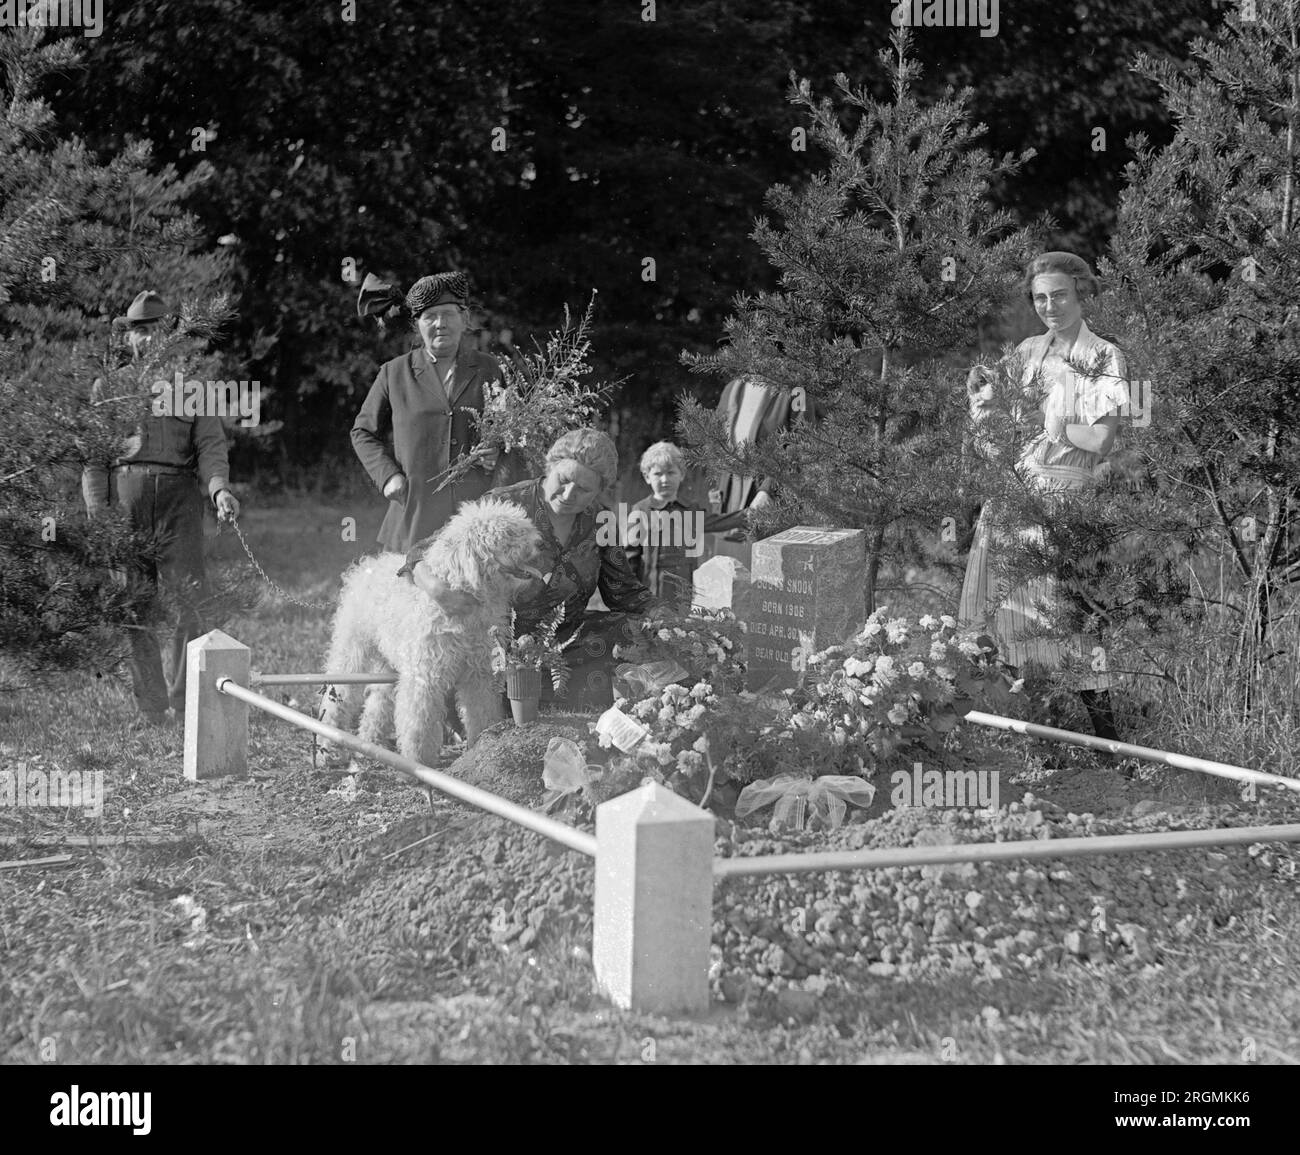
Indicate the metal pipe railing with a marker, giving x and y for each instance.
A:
(1000, 851)
(319, 679)
(1147, 753)
(551, 828)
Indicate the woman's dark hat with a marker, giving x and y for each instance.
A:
(147, 308)
(438, 289)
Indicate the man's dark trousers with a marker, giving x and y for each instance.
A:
(170, 506)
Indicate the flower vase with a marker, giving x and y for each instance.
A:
(524, 689)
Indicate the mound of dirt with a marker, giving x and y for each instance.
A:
(508, 759)
(814, 932)
(442, 891)
(481, 885)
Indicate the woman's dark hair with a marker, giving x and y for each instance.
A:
(1085, 281)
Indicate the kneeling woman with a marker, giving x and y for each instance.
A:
(564, 504)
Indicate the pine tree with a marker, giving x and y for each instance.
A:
(888, 260)
(78, 239)
(1206, 264)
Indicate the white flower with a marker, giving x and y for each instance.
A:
(896, 630)
(1016, 685)
(666, 714)
(664, 636)
(885, 674)
(693, 715)
(855, 667)
(968, 647)
(700, 691)
(897, 715)
(949, 621)
(676, 693)
(926, 622)
(938, 651)
(916, 670)
(866, 699)
(944, 672)
(872, 628)
(701, 744)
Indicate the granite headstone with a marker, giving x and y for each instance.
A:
(805, 593)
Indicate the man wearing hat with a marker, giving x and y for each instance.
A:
(414, 422)
(155, 480)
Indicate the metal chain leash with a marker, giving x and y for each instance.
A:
(266, 577)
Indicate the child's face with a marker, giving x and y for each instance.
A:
(663, 481)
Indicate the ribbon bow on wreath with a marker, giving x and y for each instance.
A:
(828, 797)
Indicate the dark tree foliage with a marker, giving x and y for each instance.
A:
(77, 239)
(373, 139)
(887, 260)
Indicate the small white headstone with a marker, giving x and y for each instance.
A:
(654, 901)
(718, 581)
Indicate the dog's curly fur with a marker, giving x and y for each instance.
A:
(430, 628)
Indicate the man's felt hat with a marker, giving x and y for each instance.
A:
(147, 308)
(438, 289)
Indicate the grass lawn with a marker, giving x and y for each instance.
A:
(291, 918)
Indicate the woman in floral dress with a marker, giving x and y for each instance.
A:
(1079, 415)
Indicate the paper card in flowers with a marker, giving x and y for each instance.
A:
(614, 728)
(797, 799)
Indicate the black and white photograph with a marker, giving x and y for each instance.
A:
(612, 533)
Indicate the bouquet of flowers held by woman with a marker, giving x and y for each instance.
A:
(535, 651)
(541, 396)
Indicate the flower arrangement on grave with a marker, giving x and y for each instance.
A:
(901, 687)
(540, 396)
(708, 745)
(531, 653)
(700, 646)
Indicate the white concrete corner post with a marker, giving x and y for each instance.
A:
(654, 901)
(216, 726)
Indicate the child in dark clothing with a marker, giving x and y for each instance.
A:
(664, 538)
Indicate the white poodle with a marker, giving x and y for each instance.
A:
(426, 618)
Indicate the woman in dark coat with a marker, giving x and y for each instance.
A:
(414, 422)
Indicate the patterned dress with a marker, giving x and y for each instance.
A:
(1050, 468)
